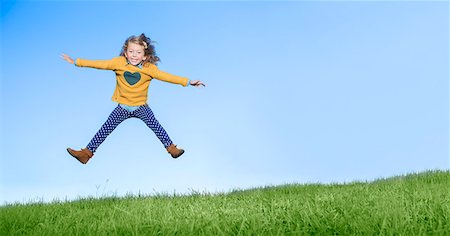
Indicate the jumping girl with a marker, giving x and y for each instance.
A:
(134, 68)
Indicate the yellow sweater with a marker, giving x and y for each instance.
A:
(131, 81)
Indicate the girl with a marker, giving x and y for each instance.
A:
(134, 68)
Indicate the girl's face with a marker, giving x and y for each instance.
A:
(135, 53)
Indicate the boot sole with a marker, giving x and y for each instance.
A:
(175, 157)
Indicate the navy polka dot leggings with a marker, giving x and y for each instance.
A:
(120, 114)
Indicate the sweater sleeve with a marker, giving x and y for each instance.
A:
(97, 64)
(154, 72)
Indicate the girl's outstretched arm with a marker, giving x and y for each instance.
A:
(66, 57)
(154, 72)
(97, 64)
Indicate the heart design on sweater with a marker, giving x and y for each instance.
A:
(132, 78)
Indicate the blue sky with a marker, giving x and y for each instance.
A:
(298, 92)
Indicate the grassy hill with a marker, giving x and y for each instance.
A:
(414, 204)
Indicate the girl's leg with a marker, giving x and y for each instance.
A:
(145, 114)
(115, 118)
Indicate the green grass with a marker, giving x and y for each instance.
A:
(414, 204)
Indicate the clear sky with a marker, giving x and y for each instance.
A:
(298, 92)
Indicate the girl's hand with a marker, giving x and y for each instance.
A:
(67, 58)
(197, 83)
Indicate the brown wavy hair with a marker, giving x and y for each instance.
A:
(147, 43)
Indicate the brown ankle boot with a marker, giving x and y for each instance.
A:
(82, 156)
(174, 151)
